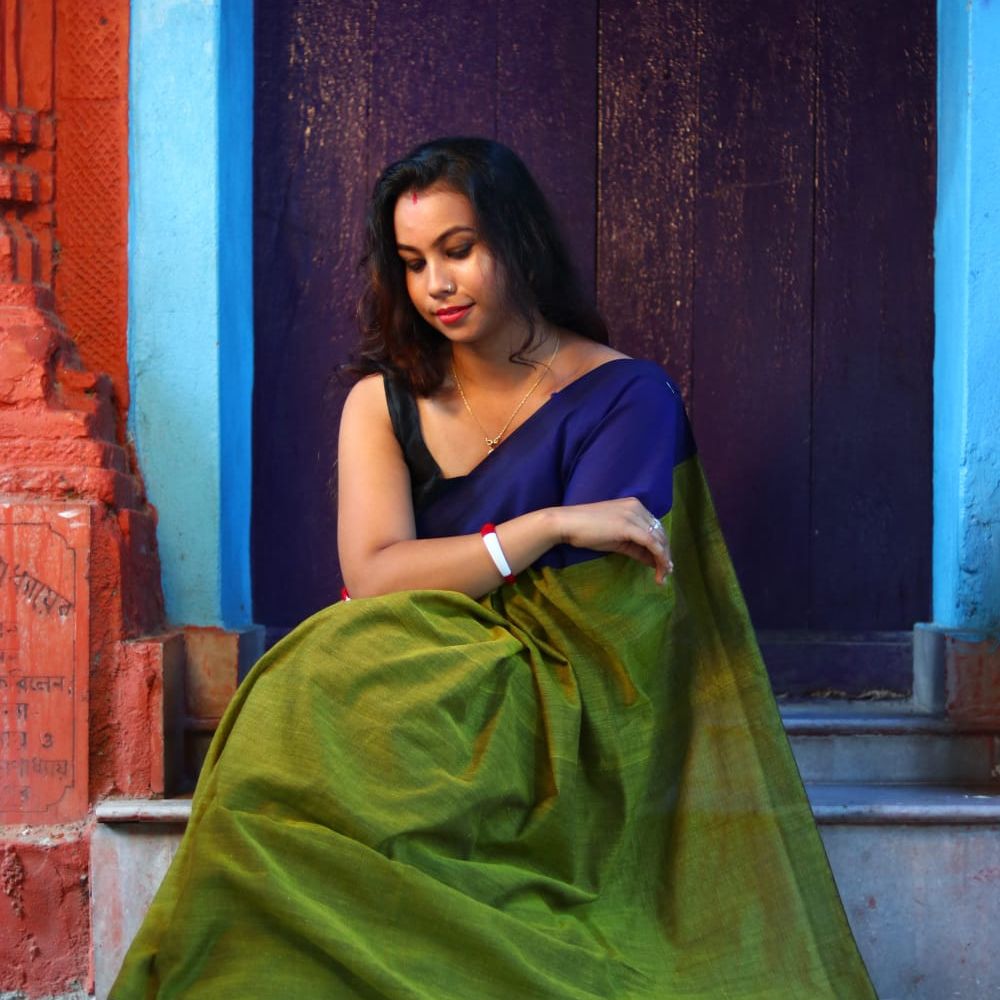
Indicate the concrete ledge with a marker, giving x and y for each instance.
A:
(835, 804)
(861, 718)
(870, 743)
(80, 994)
(143, 811)
(925, 759)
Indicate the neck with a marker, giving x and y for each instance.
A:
(489, 365)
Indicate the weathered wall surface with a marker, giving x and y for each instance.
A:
(967, 356)
(45, 873)
(967, 362)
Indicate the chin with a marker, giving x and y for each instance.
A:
(463, 335)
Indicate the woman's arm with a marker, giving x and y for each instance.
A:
(379, 552)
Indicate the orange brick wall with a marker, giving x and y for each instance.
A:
(91, 174)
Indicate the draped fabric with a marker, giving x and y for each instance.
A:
(575, 787)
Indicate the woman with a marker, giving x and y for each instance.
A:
(529, 758)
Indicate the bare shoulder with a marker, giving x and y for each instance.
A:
(366, 400)
(365, 425)
(580, 355)
(366, 406)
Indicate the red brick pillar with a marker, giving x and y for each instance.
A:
(86, 706)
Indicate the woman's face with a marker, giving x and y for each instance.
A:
(451, 275)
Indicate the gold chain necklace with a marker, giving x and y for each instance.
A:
(492, 442)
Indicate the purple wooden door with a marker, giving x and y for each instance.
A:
(749, 187)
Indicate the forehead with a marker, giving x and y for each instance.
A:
(420, 217)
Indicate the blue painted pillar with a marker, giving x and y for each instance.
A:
(190, 295)
(966, 569)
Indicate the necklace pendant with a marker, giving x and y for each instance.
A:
(492, 442)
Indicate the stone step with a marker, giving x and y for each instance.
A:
(885, 743)
(833, 803)
(888, 743)
(918, 868)
(851, 804)
(132, 846)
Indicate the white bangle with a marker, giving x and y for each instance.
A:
(492, 543)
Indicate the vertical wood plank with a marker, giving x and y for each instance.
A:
(874, 314)
(434, 74)
(648, 113)
(753, 288)
(310, 193)
(547, 109)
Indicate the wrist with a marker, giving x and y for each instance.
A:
(553, 522)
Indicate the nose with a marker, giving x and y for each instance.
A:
(440, 284)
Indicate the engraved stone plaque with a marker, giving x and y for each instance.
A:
(44, 659)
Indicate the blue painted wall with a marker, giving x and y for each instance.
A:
(190, 295)
(967, 305)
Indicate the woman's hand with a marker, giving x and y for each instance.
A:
(623, 526)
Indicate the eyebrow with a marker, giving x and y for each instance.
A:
(440, 239)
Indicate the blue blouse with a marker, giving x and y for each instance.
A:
(616, 431)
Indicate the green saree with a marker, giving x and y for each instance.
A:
(576, 787)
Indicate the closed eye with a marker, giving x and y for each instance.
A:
(413, 264)
(459, 253)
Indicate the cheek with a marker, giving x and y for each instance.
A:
(487, 277)
(413, 286)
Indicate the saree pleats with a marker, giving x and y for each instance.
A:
(577, 787)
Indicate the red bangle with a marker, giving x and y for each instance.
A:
(489, 533)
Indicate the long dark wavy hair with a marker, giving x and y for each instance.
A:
(515, 223)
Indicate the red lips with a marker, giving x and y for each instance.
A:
(452, 314)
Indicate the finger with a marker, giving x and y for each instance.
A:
(661, 545)
(649, 521)
(664, 565)
(660, 533)
(654, 543)
(637, 552)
